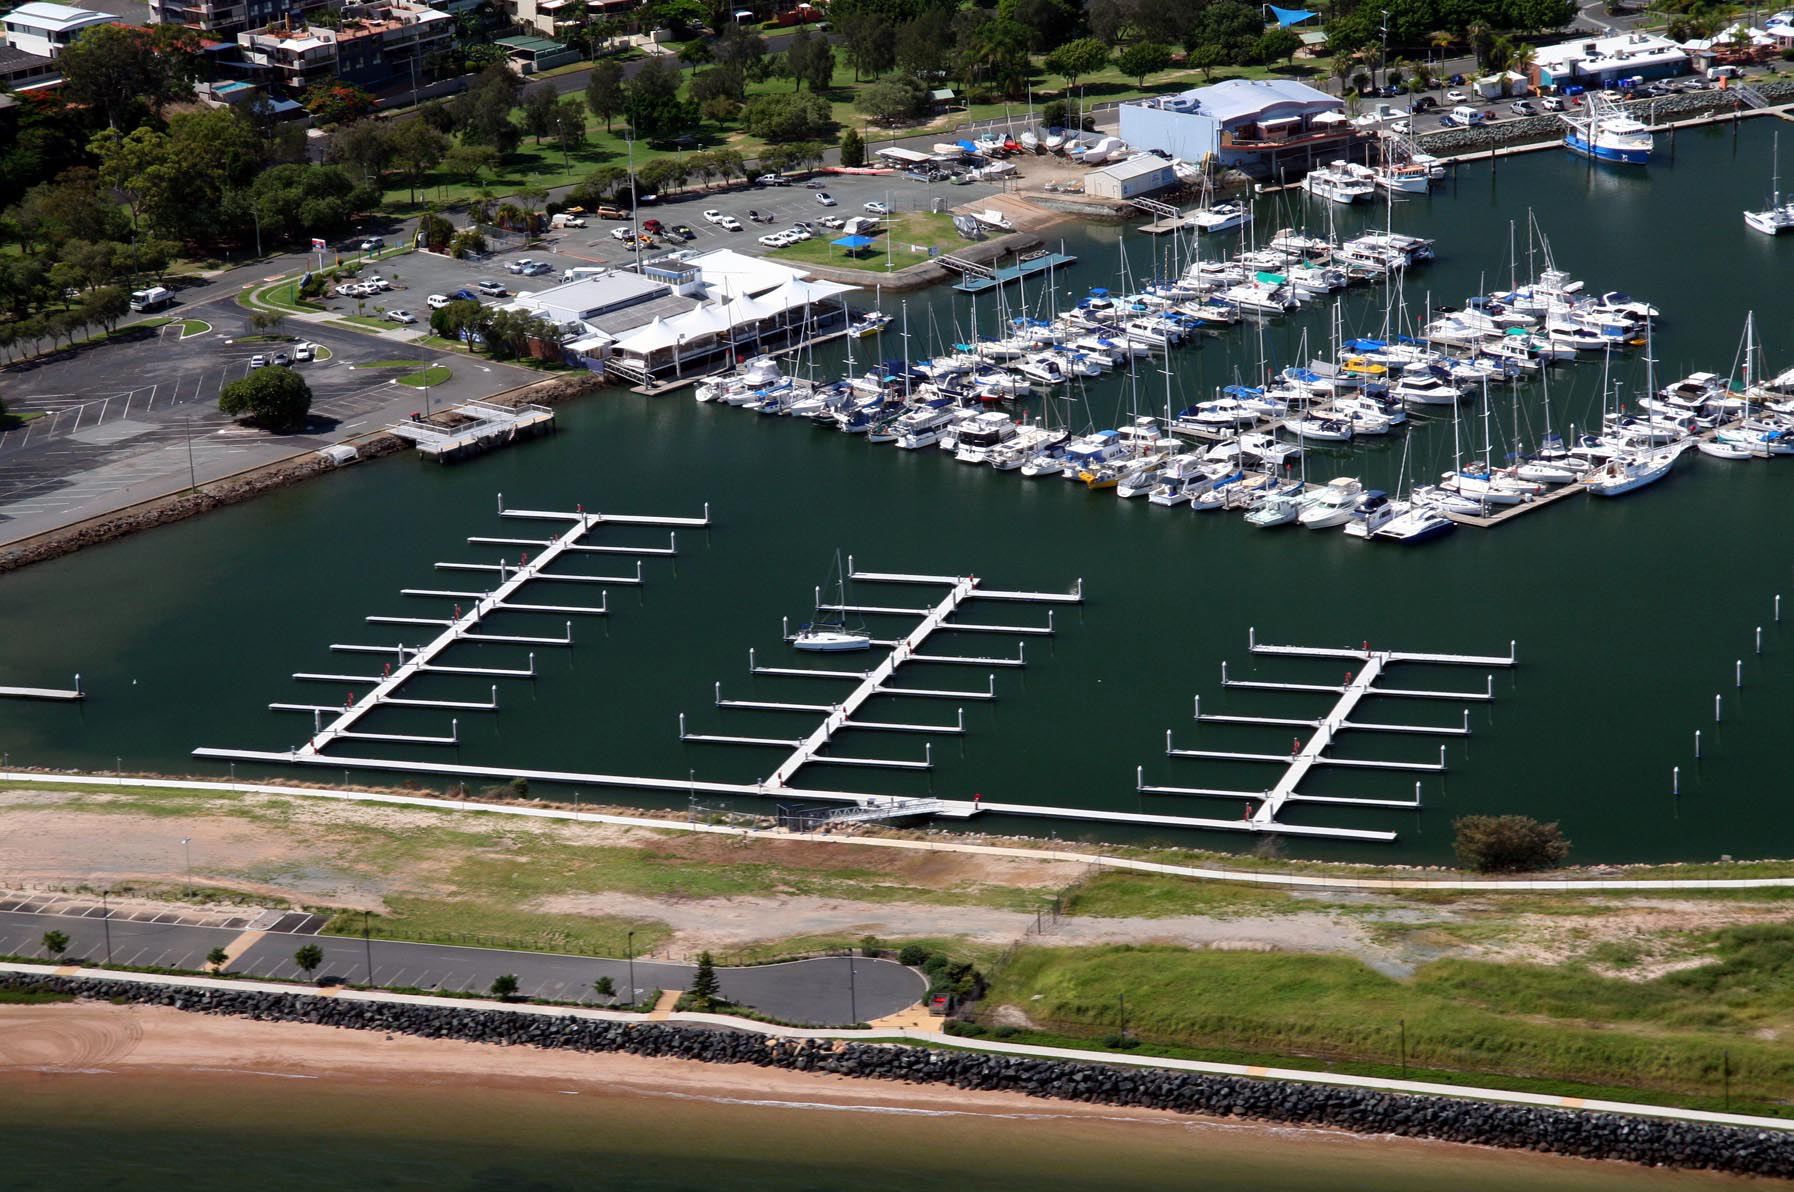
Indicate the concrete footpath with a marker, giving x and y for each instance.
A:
(1416, 1087)
(820, 990)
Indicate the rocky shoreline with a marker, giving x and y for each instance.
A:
(1581, 1134)
(1548, 128)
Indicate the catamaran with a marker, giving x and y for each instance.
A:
(1778, 217)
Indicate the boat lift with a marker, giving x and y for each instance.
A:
(1307, 755)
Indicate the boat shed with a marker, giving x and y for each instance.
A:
(1143, 175)
(1253, 124)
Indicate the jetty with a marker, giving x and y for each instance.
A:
(64, 694)
(472, 428)
(979, 279)
(1264, 805)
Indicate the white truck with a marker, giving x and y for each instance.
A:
(154, 298)
(565, 220)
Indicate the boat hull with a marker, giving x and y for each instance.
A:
(1618, 155)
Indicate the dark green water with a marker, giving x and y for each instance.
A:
(219, 1131)
(1629, 613)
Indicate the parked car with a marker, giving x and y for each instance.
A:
(875, 208)
(1445, 121)
(825, 198)
(1425, 103)
(654, 226)
(683, 232)
(1552, 103)
(729, 223)
(831, 221)
(1455, 96)
(378, 283)
(620, 234)
(753, 216)
(491, 289)
(517, 265)
(537, 269)
(797, 233)
(771, 180)
(282, 360)
(463, 295)
(373, 244)
(304, 350)
(401, 316)
(437, 301)
(258, 361)
(774, 240)
(714, 216)
(607, 212)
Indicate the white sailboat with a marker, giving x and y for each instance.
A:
(829, 634)
(1778, 217)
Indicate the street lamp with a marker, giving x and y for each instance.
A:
(106, 922)
(187, 849)
(632, 989)
(368, 943)
(853, 1004)
(635, 200)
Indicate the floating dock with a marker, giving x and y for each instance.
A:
(473, 428)
(1263, 806)
(48, 693)
(978, 284)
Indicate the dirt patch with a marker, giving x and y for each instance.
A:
(1013, 1016)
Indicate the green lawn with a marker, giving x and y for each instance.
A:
(390, 364)
(907, 237)
(546, 166)
(14, 419)
(1555, 1023)
(425, 377)
(192, 327)
(372, 322)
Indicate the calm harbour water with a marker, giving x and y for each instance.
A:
(1629, 614)
(232, 1131)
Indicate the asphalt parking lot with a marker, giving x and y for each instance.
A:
(814, 991)
(120, 415)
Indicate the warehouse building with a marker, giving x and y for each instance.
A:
(1258, 125)
(1142, 175)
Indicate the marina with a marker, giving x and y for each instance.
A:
(1167, 589)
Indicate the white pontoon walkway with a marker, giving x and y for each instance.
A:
(410, 661)
(50, 693)
(868, 684)
(1307, 755)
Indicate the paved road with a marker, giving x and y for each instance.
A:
(804, 991)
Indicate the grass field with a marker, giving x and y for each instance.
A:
(191, 327)
(1674, 1034)
(903, 235)
(370, 322)
(407, 364)
(424, 377)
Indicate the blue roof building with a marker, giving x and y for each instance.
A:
(1252, 124)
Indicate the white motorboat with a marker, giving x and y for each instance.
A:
(1263, 295)
(1373, 511)
(1265, 447)
(982, 434)
(1419, 523)
(1424, 389)
(1320, 430)
(1221, 217)
(1278, 509)
(1335, 184)
(1331, 504)
(758, 374)
(924, 427)
(1723, 449)
(1447, 501)
(870, 323)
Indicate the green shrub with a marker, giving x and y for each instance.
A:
(912, 955)
(1507, 843)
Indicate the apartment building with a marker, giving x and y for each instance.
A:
(372, 45)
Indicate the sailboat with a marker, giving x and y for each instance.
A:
(1634, 469)
(1778, 217)
(1417, 521)
(829, 633)
(872, 322)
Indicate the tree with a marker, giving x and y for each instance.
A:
(651, 101)
(460, 320)
(301, 201)
(276, 398)
(504, 986)
(786, 117)
(853, 148)
(337, 102)
(1276, 44)
(1077, 58)
(604, 987)
(870, 40)
(366, 145)
(1205, 59)
(569, 126)
(894, 100)
(217, 958)
(1106, 18)
(704, 986)
(923, 45)
(434, 231)
(55, 943)
(309, 957)
(719, 82)
(105, 306)
(808, 59)
(484, 109)
(1232, 26)
(1507, 843)
(1049, 22)
(1141, 59)
(417, 148)
(538, 112)
(128, 73)
(470, 161)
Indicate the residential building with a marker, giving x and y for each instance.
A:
(227, 18)
(47, 29)
(1142, 175)
(373, 45)
(1595, 61)
(22, 71)
(1257, 125)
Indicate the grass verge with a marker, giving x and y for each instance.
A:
(425, 377)
(905, 238)
(192, 327)
(482, 924)
(1676, 1035)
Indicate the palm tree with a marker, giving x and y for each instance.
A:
(509, 215)
(1481, 38)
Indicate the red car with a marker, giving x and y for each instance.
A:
(655, 226)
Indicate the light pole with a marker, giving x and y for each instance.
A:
(368, 943)
(632, 990)
(853, 1004)
(1383, 56)
(106, 922)
(187, 850)
(635, 200)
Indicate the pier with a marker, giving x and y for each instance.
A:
(472, 428)
(1263, 806)
(978, 283)
(61, 694)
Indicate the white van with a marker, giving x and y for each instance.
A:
(580, 273)
(436, 301)
(154, 298)
(1469, 117)
(1716, 73)
(564, 220)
